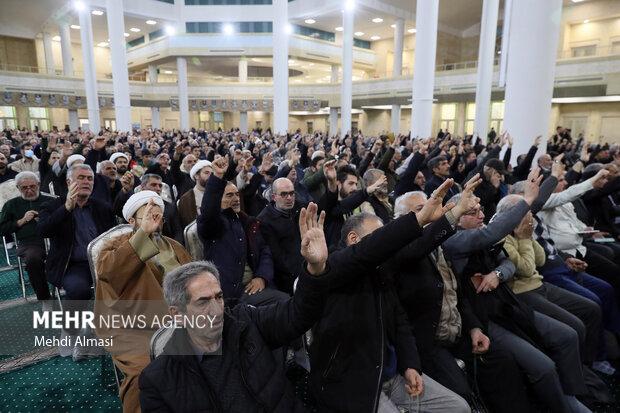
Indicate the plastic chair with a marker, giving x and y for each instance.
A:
(192, 241)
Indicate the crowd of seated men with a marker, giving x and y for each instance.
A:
(433, 274)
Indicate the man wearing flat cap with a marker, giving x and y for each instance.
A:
(189, 203)
(131, 269)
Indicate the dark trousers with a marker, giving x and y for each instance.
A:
(265, 297)
(603, 267)
(77, 284)
(595, 289)
(496, 373)
(582, 314)
(33, 256)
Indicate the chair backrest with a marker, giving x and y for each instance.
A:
(166, 194)
(8, 190)
(51, 187)
(159, 340)
(94, 247)
(192, 241)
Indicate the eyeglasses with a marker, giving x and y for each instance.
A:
(286, 194)
(26, 187)
(475, 211)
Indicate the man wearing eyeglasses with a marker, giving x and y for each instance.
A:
(20, 216)
(278, 225)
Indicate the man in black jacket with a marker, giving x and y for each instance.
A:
(71, 223)
(228, 365)
(364, 356)
(278, 226)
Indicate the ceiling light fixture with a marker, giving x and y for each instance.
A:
(98, 12)
(586, 21)
(359, 33)
(377, 20)
(393, 26)
(75, 26)
(375, 37)
(168, 72)
(56, 38)
(228, 29)
(310, 21)
(102, 44)
(411, 31)
(170, 31)
(134, 29)
(339, 28)
(310, 64)
(79, 6)
(151, 22)
(126, 34)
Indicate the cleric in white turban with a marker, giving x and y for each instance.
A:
(138, 199)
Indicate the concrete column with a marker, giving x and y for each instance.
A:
(65, 46)
(397, 70)
(280, 66)
(243, 122)
(424, 71)
(486, 54)
(155, 122)
(49, 54)
(74, 120)
(333, 111)
(534, 31)
(243, 70)
(120, 75)
(346, 96)
(183, 95)
(90, 77)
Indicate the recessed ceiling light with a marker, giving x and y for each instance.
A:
(168, 72)
(586, 21)
(97, 12)
(151, 22)
(339, 28)
(377, 20)
(310, 21)
(291, 62)
(577, 1)
(310, 64)
(499, 52)
(359, 33)
(126, 34)
(411, 31)
(75, 26)
(134, 29)
(102, 44)
(375, 37)
(307, 77)
(297, 80)
(56, 38)
(393, 26)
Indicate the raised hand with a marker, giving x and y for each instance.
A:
(127, 182)
(468, 201)
(537, 141)
(267, 163)
(150, 218)
(382, 180)
(71, 196)
(220, 166)
(433, 210)
(313, 244)
(532, 184)
(249, 162)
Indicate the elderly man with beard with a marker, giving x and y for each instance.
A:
(131, 269)
(233, 242)
(189, 203)
(71, 223)
(379, 203)
(20, 216)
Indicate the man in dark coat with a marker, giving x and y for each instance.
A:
(71, 223)
(228, 364)
(278, 226)
(233, 242)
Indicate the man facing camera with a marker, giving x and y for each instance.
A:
(131, 268)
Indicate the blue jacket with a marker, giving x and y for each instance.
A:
(230, 240)
(58, 224)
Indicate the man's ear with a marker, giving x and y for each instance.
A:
(131, 221)
(352, 238)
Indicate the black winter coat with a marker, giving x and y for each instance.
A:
(174, 382)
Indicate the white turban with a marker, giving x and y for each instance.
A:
(138, 199)
(316, 154)
(197, 168)
(117, 155)
(73, 158)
